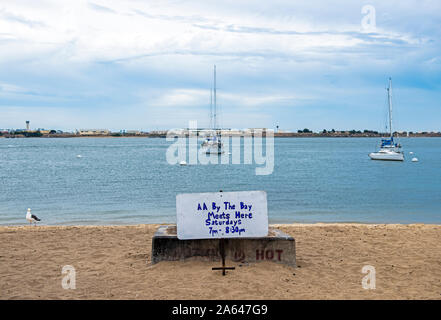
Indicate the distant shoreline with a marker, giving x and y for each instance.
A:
(276, 135)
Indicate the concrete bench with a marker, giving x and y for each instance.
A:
(277, 247)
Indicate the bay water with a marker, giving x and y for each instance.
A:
(106, 181)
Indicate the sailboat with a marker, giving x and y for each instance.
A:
(213, 143)
(389, 150)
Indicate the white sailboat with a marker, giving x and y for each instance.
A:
(213, 143)
(389, 150)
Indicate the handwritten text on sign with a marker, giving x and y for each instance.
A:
(222, 215)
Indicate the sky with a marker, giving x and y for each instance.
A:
(148, 65)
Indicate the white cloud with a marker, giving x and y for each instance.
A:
(110, 30)
(154, 58)
(10, 88)
(179, 98)
(187, 97)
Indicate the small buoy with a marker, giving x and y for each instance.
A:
(183, 163)
(414, 159)
(79, 156)
(411, 152)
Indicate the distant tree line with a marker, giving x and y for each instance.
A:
(306, 130)
(324, 131)
(28, 134)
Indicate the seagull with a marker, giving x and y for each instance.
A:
(32, 217)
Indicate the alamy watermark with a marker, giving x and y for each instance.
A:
(369, 280)
(368, 22)
(250, 146)
(69, 279)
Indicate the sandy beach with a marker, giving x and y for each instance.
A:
(111, 262)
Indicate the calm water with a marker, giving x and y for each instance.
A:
(128, 181)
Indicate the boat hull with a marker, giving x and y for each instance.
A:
(213, 146)
(213, 151)
(386, 156)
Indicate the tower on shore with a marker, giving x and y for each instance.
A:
(27, 124)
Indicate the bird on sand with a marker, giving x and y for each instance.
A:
(32, 217)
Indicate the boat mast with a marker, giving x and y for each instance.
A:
(215, 124)
(211, 108)
(389, 92)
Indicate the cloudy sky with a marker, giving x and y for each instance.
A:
(148, 64)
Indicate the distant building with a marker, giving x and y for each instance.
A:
(233, 132)
(254, 131)
(27, 124)
(159, 132)
(132, 132)
(93, 132)
(41, 130)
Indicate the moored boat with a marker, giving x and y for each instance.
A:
(389, 149)
(213, 143)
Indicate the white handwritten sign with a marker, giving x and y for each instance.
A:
(222, 215)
